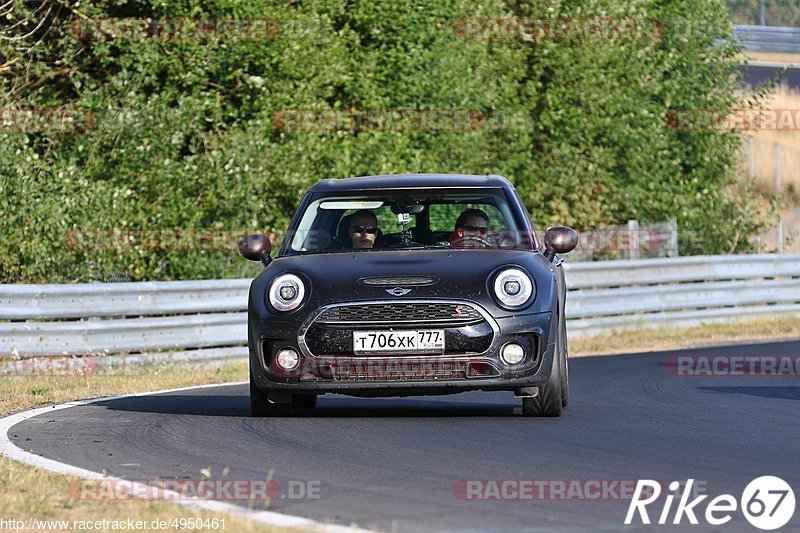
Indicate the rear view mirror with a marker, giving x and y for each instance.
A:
(559, 240)
(411, 208)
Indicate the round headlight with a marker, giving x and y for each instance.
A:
(286, 292)
(513, 287)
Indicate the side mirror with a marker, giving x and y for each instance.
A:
(559, 240)
(256, 247)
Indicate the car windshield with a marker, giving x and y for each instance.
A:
(404, 220)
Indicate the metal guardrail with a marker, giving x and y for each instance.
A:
(767, 38)
(701, 268)
(685, 291)
(209, 317)
(127, 335)
(19, 302)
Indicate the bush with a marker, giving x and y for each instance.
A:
(183, 134)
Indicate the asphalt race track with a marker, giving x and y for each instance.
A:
(758, 73)
(392, 464)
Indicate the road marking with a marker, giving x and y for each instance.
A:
(10, 450)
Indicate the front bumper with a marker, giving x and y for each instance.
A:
(429, 374)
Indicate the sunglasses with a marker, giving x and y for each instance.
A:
(364, 229)
(479, 229)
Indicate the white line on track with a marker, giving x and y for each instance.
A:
(8, 449)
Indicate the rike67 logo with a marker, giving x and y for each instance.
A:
(767, 503)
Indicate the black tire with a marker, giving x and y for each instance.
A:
(304, 401)
(548, 402)
(260, 405)
(564, 360)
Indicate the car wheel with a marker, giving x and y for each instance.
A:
(260, 405)
(548, 402)
(304, 401)
(564, 361)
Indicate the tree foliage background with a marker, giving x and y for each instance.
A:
(184, 138)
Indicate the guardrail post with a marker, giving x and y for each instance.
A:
(778, 195)
(633, 240)
(673, 238)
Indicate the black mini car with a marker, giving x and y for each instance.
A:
(409, 285)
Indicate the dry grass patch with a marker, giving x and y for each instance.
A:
(32, 493)
(765, 330)
(765, 162)
(29, 492)
(772, 57)
(17, 394)
(765, 157)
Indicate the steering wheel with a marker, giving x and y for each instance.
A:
(471, 241)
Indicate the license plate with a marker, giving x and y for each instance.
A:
(415, 341)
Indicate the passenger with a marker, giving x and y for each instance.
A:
(363, 229)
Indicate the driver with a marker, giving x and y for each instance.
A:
(363, 229)
(472, 228)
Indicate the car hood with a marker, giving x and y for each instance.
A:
(456, 274)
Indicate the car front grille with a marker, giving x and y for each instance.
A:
(330, 332)
(457, 314)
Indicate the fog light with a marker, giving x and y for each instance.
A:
(287, 359)
(512, 353)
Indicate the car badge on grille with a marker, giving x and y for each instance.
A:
(398, 291)
(458, 313)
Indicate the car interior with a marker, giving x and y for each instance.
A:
(430, 222)
(419, 227)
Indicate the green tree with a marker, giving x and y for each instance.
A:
(187, 138)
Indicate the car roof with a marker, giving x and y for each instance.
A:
(411, 181)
